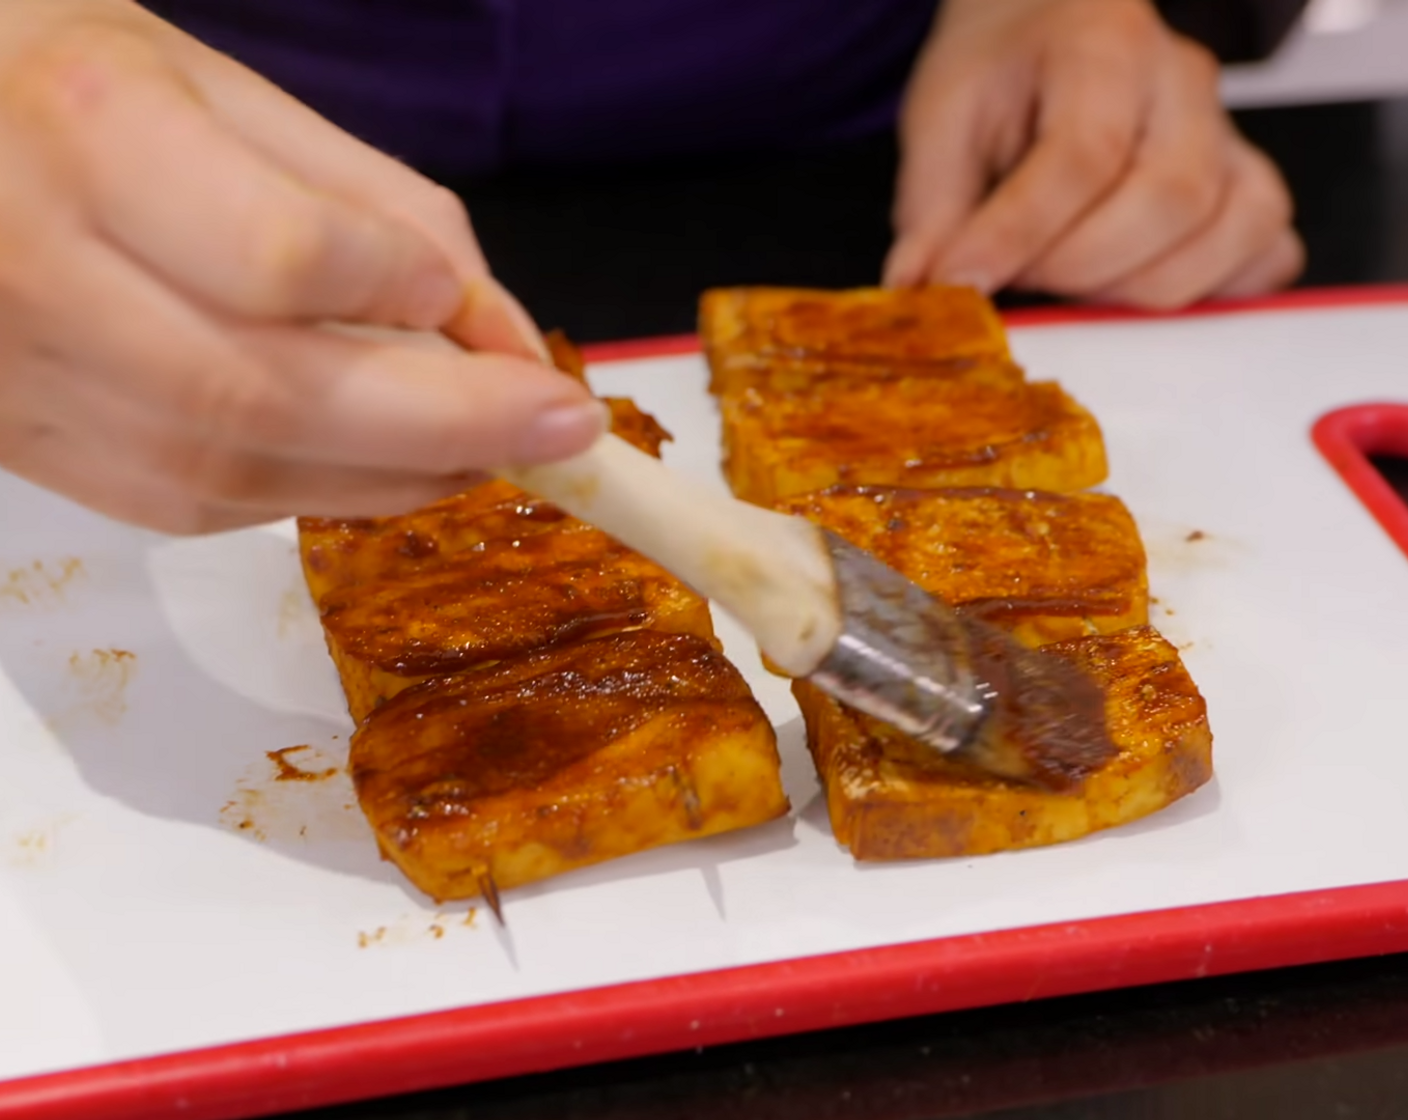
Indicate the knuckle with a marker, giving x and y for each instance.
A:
(223, 477)
(1186, 196)
(205, 476)
(1095, 153)
(259, 414)
(1114, 28)
(1138, 22)
(69, 69)
(176, 462)
(286, 251)
(164, 498)
(235, 408)
(1200, 63)
(443, 211)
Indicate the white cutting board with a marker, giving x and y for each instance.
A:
(138, 917)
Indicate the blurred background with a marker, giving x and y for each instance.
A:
(1349, 58)
(624, 252)
(1342, 50)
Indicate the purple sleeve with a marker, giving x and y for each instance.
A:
(472, 86)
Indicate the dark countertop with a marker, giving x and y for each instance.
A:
(613, 255)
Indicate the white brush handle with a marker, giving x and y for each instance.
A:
(770, 571)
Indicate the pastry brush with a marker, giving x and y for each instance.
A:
(824, 610)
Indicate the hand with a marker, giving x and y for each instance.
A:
(174, 233)
(1080, 147)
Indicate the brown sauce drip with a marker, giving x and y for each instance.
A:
(285, 771)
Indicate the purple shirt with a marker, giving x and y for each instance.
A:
(475, 86)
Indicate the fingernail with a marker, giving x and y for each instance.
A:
(432, 299)
(561, 432)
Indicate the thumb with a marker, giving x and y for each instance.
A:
(941, 179)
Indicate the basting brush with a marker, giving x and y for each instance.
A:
(823, 610)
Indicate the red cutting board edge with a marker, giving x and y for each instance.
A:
(503, 1039)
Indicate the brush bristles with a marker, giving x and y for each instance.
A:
(1046, 719)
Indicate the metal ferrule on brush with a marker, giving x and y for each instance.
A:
(903, 656)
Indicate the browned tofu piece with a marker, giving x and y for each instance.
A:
(1044, 566)
(563, 758)
(775, 377)
(627, 421)
(890, 798)
(919, 433)
(636, 427)
(341, 552)
(496, 602)
(783, 336)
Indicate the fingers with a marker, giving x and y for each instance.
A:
(322, 155)
(161, 357)
(1174, 187)
(1247, 244)
(941, 179)
(246, 236)
(490, 319)
(289, 393)
(318, 152)
(61, 460)
(153, 414)
(214, 492)
(1093, 102)
(371, 402)
(65, 427)
(221, 475)
(251, 485)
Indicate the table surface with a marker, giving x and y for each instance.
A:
(610, 254)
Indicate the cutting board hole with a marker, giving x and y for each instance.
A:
(1394, 468)
(1367, 445)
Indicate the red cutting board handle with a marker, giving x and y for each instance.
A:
(1347, 437)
